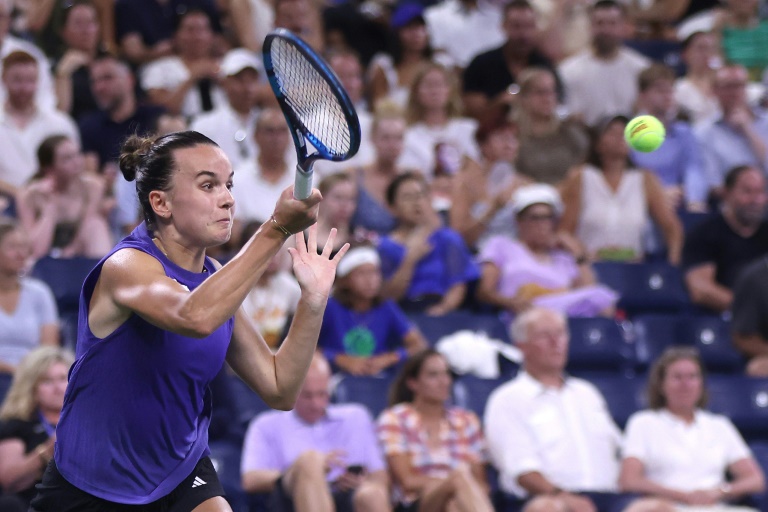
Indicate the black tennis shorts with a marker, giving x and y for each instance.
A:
(55, 494)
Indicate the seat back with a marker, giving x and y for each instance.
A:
(470, 392)
(623, 395)
(372, 392)
(599, 344)
(744, 400)
(435, 327)
(645, 287)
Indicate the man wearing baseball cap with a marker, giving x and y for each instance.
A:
(232, 123)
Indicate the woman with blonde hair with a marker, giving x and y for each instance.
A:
(438, 138)
(28, 419)
(549, 145)
(663, 455)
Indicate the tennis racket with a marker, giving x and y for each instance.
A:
(314, 103)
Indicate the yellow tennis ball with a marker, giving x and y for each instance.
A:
(645, 133)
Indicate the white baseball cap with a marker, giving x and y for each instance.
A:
(538, 193)
(239, 59)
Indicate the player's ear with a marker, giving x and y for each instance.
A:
(161, 204)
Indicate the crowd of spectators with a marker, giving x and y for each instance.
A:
(493, 178)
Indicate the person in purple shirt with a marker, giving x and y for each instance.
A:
(426, 267)
(363, 334)
(679, 162)
(158, 318)
(318, 457)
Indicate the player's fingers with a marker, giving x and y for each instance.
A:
(337, 257)
(328, 248)
(301, 244)
(312, 242)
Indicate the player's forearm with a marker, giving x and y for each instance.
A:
(295, 354)
(219, 297)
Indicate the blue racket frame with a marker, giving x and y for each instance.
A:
(299, 132)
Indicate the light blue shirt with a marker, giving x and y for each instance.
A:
(678, 161)
(725, 148)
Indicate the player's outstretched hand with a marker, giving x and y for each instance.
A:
(297, 215)
(315, 272)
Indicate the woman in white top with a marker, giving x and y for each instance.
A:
(438, 138)
(28, 315)
(608, 203)
(694, 92)
(390, 74)
(680, 453)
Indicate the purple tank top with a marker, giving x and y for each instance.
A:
(137, 407)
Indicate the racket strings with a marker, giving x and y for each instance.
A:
(312, 99)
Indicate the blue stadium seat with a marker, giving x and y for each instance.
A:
(645, 287)
(472, 392)
(65, 277)
(653, 334)
(226, 459)
(249, 403)
(599, 345)
(436, 327)
(5, 385)
(372, 392)
(623, 395)
(760, 452)
(744, 400)
(712, 336)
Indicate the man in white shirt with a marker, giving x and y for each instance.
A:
(23, 123)
(45, 95)
(259, 182)
(602, 81)
(231, 124)
(462, 29)
(550, 435)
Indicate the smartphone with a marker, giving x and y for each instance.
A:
(355, 469)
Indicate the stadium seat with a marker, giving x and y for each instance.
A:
(225, 457)
(372, 392)
(249, 404)
(472, 392)
(760, 452)
(599, 345)
(5, 384)
(435, 327)
(65, 277)
(744, 400)
(712, 336)
(645, 287)
(652, 334)
(623, 395)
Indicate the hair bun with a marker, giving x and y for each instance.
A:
(132, 155)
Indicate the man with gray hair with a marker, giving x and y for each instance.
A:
(550, 435)
(318, 457)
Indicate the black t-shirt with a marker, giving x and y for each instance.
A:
(101, 135)
(489, 74)
(32, 434)
(713, 241)
(750, 301)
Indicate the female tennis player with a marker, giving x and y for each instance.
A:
(157, 321)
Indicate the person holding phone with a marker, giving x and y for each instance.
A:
(318, 457)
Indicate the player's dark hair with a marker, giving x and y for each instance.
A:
(150, 161)
(734, 174)
(399, 392)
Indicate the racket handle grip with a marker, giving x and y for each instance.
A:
(302, 187)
